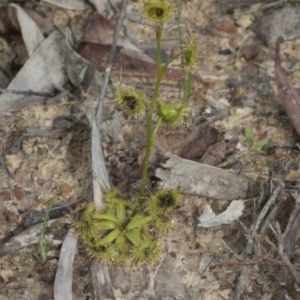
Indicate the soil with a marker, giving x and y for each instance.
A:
(46, 148)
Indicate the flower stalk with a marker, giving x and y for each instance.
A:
(149, 133)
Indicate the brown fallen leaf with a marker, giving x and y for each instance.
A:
(100, 31)
(189, 143)
(289, 96)
(9, 22)
(128, 61)
(217, 152)
(197, 147)
(45, 70)
(226, 25)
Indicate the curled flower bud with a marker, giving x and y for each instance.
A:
(157, 11)
(167, 199)
(190, 50)
(130, 100)
(170, 113)
(161, 203)
(164, 200)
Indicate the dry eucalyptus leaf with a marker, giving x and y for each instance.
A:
(44, 72)
(100, 31)
(103, 288)
(207, 181)
(128, 60)
(100, 176)
(63, 279)
(217, 152)
(233, 211)
(9, 21)
(31, 33)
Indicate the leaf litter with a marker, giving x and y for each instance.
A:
(180, 255)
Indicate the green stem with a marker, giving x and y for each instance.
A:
(187, 88)
(164, 68)
(42, 247)
(186, 82)
(180, 34)
(149, 141)
(150, 133)
(157, 126)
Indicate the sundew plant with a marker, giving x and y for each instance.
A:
(128, 229)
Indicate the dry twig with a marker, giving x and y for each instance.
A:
(282, 243)
(121, 17)
(99, 271)
(262, 215)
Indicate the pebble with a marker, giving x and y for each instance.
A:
(283, 22)
(6, 195)
(18, 193)
(249, 52)
(245, 21)
(280, 153)
(65, 188)
(75, 109)
(226, 25)
(225, 52)
(13, 161)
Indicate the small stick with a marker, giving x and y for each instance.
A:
(238, 257)
(281, 244)
(253, 237)
(262, 215)
(28, 92)
(110, 59)
(99, 289)
(42, 249)
(240, 284)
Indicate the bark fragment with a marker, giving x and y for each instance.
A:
(289, 96)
